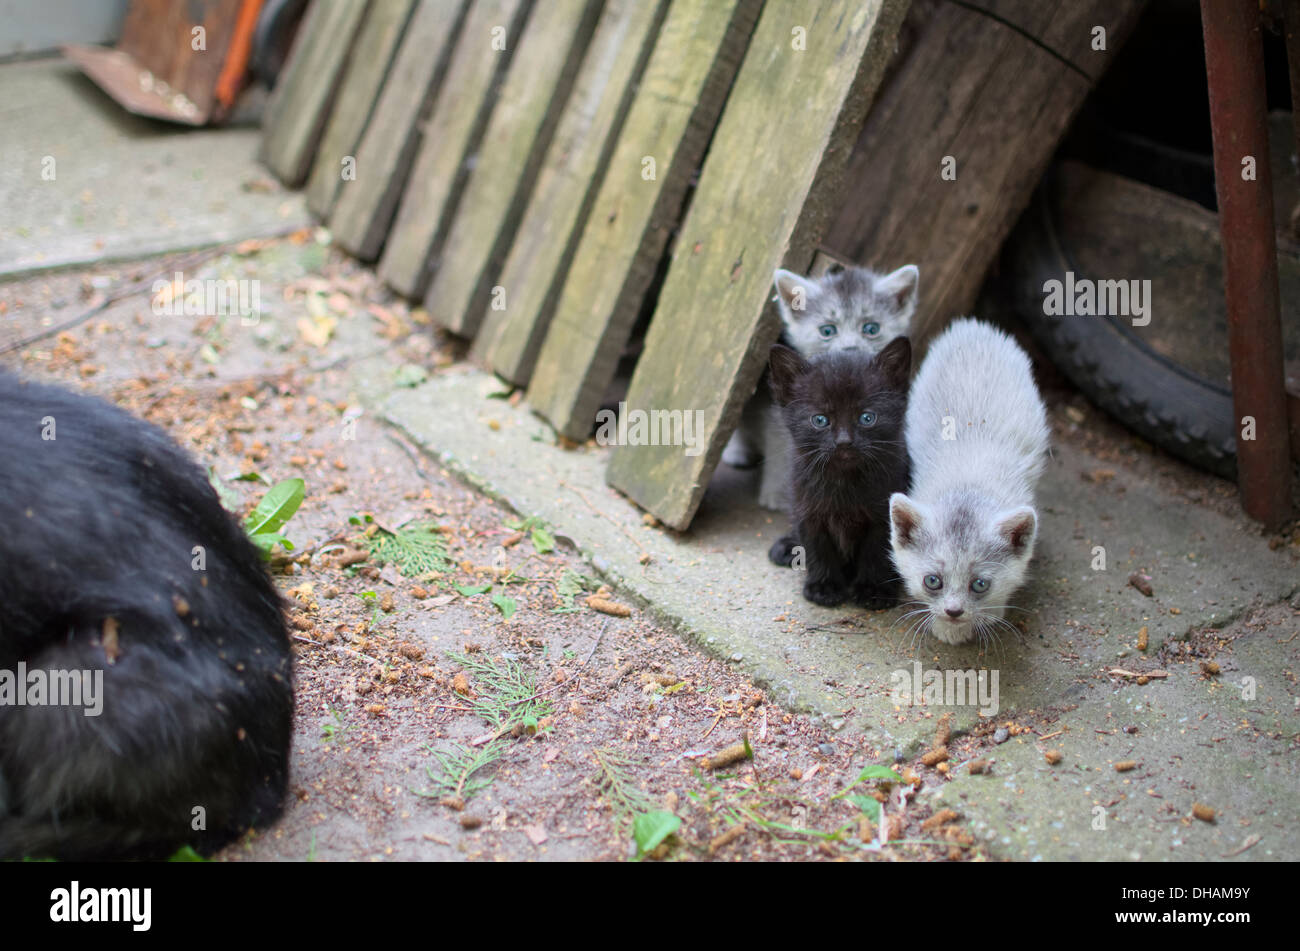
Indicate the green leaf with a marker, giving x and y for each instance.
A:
(186, 854)
(470, 590)
(230, 500)
(878, 772)
(252, 477)
(410, 374)
(868, 805)
(570, 585)
(651, 828)
(266, 542)
(506, 606)
(543, 541)
(276, 507)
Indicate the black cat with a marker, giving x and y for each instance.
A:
(118, 564)
(844, 411)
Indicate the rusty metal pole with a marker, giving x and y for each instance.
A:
(1234, 62)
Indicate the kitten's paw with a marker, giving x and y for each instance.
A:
(826, 593)
(739, 456)
(773, 499)
(782, 551)
(875, 599)
(875, 595)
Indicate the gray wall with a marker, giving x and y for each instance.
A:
(34, 26)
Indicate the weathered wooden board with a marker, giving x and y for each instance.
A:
(296, 114)
(511, 331)
(676, 108)
(539, 80)
(364, 208)
(483, 50)
(381, 32)
(763, 200)
(993, 115)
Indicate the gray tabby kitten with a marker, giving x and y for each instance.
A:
(847, 308)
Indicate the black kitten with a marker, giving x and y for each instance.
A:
(844, 411)
(119, 565)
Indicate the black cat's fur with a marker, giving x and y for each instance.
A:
(102, 522)
(844, 473)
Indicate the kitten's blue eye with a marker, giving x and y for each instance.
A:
(979, 585)
(867, 419)
(933, 582)
(820, 421)
(871, 328)
(828, 330)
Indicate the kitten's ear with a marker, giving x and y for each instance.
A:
(793, 291)
(786, 366)
(900, 287)
(904, 521)
(1017, 528)
(895, 362)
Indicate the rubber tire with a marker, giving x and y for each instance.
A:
(1183, 413)
(272, 37)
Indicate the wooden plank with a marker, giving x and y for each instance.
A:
(998, 110)
(763, 200)
(381, 32)
(512, 329)
(538, 83)
(305, 89)
(364, 208)
(676, 108)
(450, 136)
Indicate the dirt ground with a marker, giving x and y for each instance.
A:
(606, 717)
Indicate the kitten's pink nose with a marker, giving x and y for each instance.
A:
(954, 612)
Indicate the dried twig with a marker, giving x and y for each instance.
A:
(336, 647)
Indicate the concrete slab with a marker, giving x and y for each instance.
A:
(1196, 739)
(83, 181)
(715, 585)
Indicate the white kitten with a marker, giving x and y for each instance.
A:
(977, 435)
(847, 308)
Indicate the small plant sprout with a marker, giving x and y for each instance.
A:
(651, 825)
(539, 533)
(272, 512)
(570, 585)
(869, 805)
(506, 697)
(418, 548)
(371, 598)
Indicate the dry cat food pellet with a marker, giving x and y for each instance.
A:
(1141, 582)
(942, 817)
(725, 757)
(608, 607)
(944, 731)
(1123, 766)
(935, 757)
(1052, 756)
(1203, 812)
